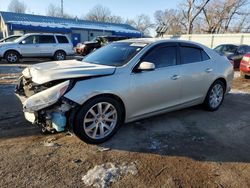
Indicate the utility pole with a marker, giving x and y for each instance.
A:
(62, 8)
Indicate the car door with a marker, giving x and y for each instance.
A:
(29, 47)
(158, 89)
(47, 45)
(196, 71)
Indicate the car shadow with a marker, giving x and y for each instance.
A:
(221, 136)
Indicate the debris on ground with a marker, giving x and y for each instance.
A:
(101, 149)
(77, 161)
(103, 175)
(51, 143)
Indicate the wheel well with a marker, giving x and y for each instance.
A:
(11, 51)
(111, 96)
(60, 51)
(223, 81)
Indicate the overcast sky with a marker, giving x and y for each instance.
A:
(124, 8)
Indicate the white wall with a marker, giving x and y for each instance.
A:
(213, 40)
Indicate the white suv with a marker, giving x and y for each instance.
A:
(56, 46)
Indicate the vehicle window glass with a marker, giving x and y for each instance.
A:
(33, 39)
(62, 39)
(218, 48)
(114, 54)
(190, 55)
(230, 48)
(46, 39)
(162, 57)
(248, 49)
(205, 57)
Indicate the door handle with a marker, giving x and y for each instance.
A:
(208, 70)
(175, 77)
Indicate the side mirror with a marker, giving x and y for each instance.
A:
(23, 42)
(146, 66)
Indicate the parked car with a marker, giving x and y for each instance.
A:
(87, 47)
(245, 66)
(56, 46)
(233, 52)
(123, 82)
(10, 38)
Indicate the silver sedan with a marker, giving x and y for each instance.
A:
(123, 82)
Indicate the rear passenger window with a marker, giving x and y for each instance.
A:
(62, 39)
(46, 39)
(205, 57)
(162, 56)
(193, 55)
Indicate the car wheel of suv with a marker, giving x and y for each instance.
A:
(98, 120)
(60, 55)
(215, 96)
(12, 57)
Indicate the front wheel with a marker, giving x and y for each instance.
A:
(12, 57)
(98, 120)
(215, 96)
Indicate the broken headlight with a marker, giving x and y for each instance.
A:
(45, 98)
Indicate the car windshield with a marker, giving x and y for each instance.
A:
(11, 39)
(115, 54)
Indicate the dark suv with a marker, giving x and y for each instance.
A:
(87, 47)
(233, 52)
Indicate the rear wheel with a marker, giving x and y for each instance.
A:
(98, 120)
(59, 55)
(215, 96)
(12, 57)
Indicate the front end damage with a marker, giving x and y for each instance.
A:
(44, 104)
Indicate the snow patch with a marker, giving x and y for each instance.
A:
(236, 91)
(103, 175)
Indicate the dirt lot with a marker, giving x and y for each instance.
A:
(187, 148)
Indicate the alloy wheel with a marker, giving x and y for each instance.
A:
(100, 120)
(216, 96)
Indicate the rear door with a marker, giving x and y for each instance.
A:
(197, 73)
(47, 45)
(160, 88)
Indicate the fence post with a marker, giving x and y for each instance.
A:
(241, 39)
(212, 41)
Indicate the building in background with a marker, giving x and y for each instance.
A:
(78, 30)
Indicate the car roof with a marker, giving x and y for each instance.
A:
(159, 40)
(28, 34)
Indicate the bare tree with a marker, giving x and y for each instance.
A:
(55, 11)
(191, 9)
(221, 14)
(172, 19)
(142, 23)
(100, 13)
(17, 6)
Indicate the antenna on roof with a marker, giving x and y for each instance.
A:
(62, 8)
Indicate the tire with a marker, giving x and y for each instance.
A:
(90, 121)
(59, 55)
(213, 101)
(12, 56)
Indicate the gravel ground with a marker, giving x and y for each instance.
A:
(186, 148)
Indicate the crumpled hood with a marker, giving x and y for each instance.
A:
(56, 70)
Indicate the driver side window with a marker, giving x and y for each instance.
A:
(162, 56)
(32, 40)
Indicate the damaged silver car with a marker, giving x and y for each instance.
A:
(122, 82)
